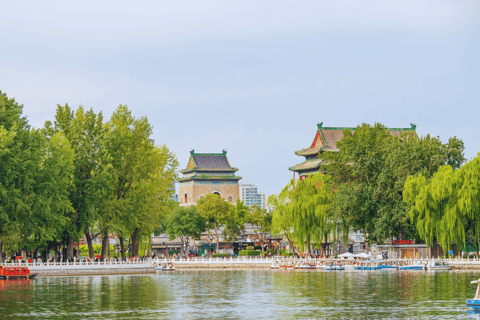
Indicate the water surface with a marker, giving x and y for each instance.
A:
(243, 294)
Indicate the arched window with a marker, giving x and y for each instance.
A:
(217, 193)
(186, 198)
(202, 197)
(230, 199)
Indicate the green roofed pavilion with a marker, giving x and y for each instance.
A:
(326, 139)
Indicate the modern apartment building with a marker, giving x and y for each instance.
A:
(250, 195)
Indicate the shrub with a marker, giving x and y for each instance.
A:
(220, 255)
(287, 254)
(249, 253)
(251, 248)
(272, 251)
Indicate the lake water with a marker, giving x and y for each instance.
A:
(243, 294)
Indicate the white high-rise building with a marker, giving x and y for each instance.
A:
(250, 195)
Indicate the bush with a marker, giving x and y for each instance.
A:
(251, 248)
(272, 251)
(249, 253)
(220, 255)
(287, 254)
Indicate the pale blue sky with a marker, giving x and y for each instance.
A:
(252, 77)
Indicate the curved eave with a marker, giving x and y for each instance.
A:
(307, 165)
(308, 152)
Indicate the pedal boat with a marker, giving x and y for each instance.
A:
(439, 265)
(413, 267)
(475, 302)
(303, 265)
(16, 272)
(165, 267)
(275, 265)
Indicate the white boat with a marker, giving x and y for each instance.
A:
(303, 265)
(439, 265)
(165, 267)
(275, 265)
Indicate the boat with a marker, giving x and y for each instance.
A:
(475, 302)
(334, 267)
(275, 265)
(16, 272)
(303, 265)
(165, 267)
(412, 267)
(439, 265)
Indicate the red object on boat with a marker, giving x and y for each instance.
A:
(16, 272)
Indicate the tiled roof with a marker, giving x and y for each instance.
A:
(309, 164)
(308, 151)
(211, 161)
(327, 138)
(208, 162)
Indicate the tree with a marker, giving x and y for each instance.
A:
(217, 212)
(282, 219)
(35, 175)
(447, 205)
(144, 175)
(261, 221)
(302, 211)
(369, 174)
(86, 135)
(184, 223)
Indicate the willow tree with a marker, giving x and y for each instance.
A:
(305, 211)
(446, 205)
(282, 220)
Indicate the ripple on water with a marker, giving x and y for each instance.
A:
(244, 294)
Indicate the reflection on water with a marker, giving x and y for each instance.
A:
(243, 294)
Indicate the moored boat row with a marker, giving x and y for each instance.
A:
(337, 264)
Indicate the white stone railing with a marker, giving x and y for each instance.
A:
(137, 263)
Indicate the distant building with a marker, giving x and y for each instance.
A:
(208, 173)
(250, 195)
(326, 139)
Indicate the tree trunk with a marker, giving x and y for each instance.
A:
(135, 244)
(88, 236)
(1, 252)
(78, 249)
(122, 248)
(217, 238)
(70, 248)
(476, 246)
(105, 245)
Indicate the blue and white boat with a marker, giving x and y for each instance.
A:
(413, 267)
(475, 302)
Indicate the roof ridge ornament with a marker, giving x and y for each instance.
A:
(192, 151)
(413, 126)
(320, 125)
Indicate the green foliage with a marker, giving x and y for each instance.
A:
(184, 223)
(220, 255)
(249, 253)
(144, 173)
(218, 212)
(302, 211)
(97, 248)
(35, 175)
(446, 206)
(284, 253)
(369, 174)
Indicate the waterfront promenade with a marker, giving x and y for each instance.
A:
(148, 266)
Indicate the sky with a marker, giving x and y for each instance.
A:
(251, 77)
